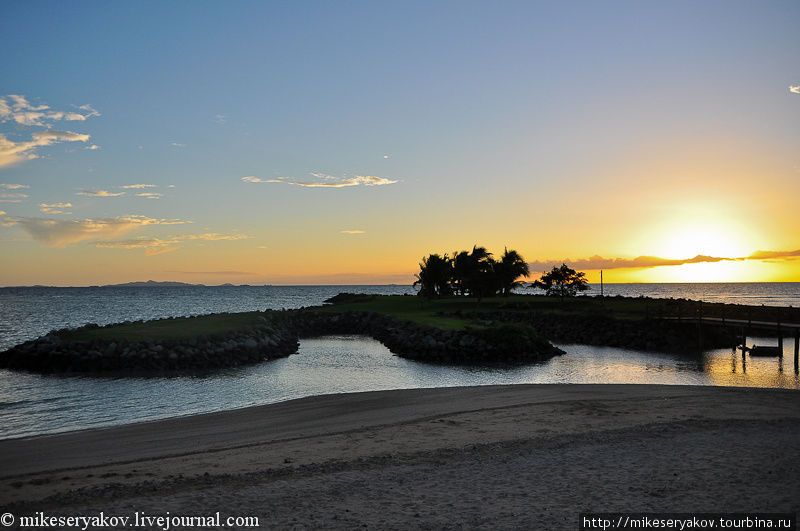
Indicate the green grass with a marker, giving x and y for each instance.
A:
(167, 329)
(445, 313)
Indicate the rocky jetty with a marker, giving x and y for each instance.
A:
(276, 335)
(649, 334)
(502, 343)
(57, 353)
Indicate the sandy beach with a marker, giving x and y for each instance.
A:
(523, 456)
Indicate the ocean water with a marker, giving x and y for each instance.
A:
(35, 404)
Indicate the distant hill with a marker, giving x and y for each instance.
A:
(150, 284)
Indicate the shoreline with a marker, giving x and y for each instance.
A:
(368, 439)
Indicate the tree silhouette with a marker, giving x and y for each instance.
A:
(434, 276)
(480, 280)
(510, 267)
(461, 267)
(562, 282)
(474, 273)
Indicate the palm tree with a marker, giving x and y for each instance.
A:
(510, 267)
(435, 273)
(461, 268)
(480, 279)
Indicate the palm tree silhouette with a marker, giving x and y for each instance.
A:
(434, 276)
(480, 279)
(510, 267)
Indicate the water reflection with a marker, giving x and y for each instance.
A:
(34, 404)
(742, 369)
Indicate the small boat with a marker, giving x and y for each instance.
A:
(763, 350)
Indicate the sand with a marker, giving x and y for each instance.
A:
(522, 456)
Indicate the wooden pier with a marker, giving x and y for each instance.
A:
(747, 328)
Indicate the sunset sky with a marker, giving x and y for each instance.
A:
(339, 142)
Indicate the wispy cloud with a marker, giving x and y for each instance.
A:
(14, 152)
(211, 236)
(60, 233)
(220, 119)
(352, 232)
(92, 147)
(2, 213)
(768, 255)
(150, 195)
(794, 88)
(327, 181)
(214, 272)
(152, 246)
(54, 208)
(100, 193)
(177, 144)
(13, 186)
(251, 179)
(138, 186)
(598, 262)
(18, 109)
(12, 198)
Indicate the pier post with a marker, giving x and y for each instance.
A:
(780, 341)
(796, 349)
(601, 283)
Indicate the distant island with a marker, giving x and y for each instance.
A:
(167, 284)
(153, 284)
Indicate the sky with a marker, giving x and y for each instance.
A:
(340, 142)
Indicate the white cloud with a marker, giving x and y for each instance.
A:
(13, 186)
(152, 246)
(150, 195)
(139, 186)
(176, 144)
(327, 181)
(212, 236)
(794, 88)
(155, 246)
(358, 180)
(60, 233)
(221, 118)
(251, 179)
(352, 232)
(100, 193)
(92, 147)
(13, 152)
(22, 112)
(386, 156)
(12, 198)
(54, 208)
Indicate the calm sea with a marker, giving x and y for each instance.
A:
(33, 404)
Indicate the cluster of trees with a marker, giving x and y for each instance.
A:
(475, 274)
(478, 274)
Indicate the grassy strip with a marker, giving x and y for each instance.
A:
(171, 329)
(445, 313)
